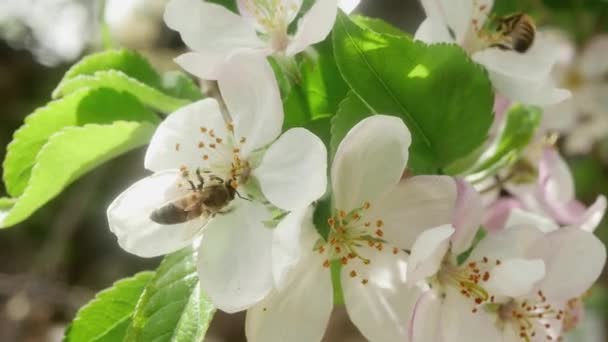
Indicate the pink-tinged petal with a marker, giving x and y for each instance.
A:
(458, 322)
(431, 31)
(501, 104)
(428, 253)
(468, 216)
(177, 140)
(255, 107)
(369, 161)
(413, 206)
(235, 257)
(515, 277)
(507, 243)
(376, 296)
(455, 15)
(248, 9)
(210, 29)
(498, 213)
(593, 63)
(129, 217)
(291, 238)
(522, 218)
(293, 171)
(424, 324)
(299, 312)
(593, 216)
(314, 26)
(574, 260)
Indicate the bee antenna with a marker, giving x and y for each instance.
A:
(241, 197)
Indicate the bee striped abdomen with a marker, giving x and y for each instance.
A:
(523, 36)
(169, 214)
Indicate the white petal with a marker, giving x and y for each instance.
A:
(129, 217)
(314, 26)
(235, 258)
(413, 206)
(431, 31)
(540, 93)
(460, 324)
(519, 218)
(593, 62)
(555, 177)
(248, 9)
(515, 277)
(300, 312)
(574, 260)
(594, 214)
(254, 106)
(293, 172)
(289, 243)
(468, 216)
(203, 65)
(424, 324)
(348, 6)
(456, 15)
(176, 140)
(369, 161)
(508, 243)
(428, 253)
(382, 306)
(210, 29)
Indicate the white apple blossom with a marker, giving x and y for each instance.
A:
(376, 217)
(214, 33)
(584, 117)
(516, 285)
(235, 262)
(523, 77)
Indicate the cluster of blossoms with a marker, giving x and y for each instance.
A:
(410, 267)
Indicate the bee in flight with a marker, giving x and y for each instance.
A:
(202, 200)
(515, 32)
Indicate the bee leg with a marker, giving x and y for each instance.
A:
(201, 180)
(241, 197)
(192, 185)
(225, 211)
(214, 177)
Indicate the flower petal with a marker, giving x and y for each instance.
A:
(298, 313)
(428, 253)
(519, 218)
(593, 216)
(129, 217)
(458, 322)
(211, 30)
(468, 215)
(507, 244)
(430, 31)
(348, 6)
(574, 259)
(177, 139)
(290, 240)
(515, 277)
(455, 15)
(250, 11)
(293, 171)
(255, 107)
(498, 213)
(369, 161)
(539, 93)
(376, 296)
(235, 258)
(413, 206)
(424, 324)
(203, 65)
(314, 26)
(593, 63)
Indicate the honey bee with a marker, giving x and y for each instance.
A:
(202, 200)
(516, 32)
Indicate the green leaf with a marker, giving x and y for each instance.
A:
(318, 91)
(69, 154)
(378, 25)
(173, 307)
(444, 98)
(119, 81)
(351, 111)
(177, 84)
(107, 316)
(519, 128)
(100, 106)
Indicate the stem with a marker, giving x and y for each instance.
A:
(106, 36)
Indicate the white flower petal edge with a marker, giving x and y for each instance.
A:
(129, 217)
(370, 160)
(314, 26)
(298, 313)
(235, 257)
(515, 277)
(292, 173)
(467, 217)
(377, 298)
(428, 253)
(254, 105)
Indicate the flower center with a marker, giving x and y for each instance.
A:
(531, 315)
(469, 279)
(273, 17)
